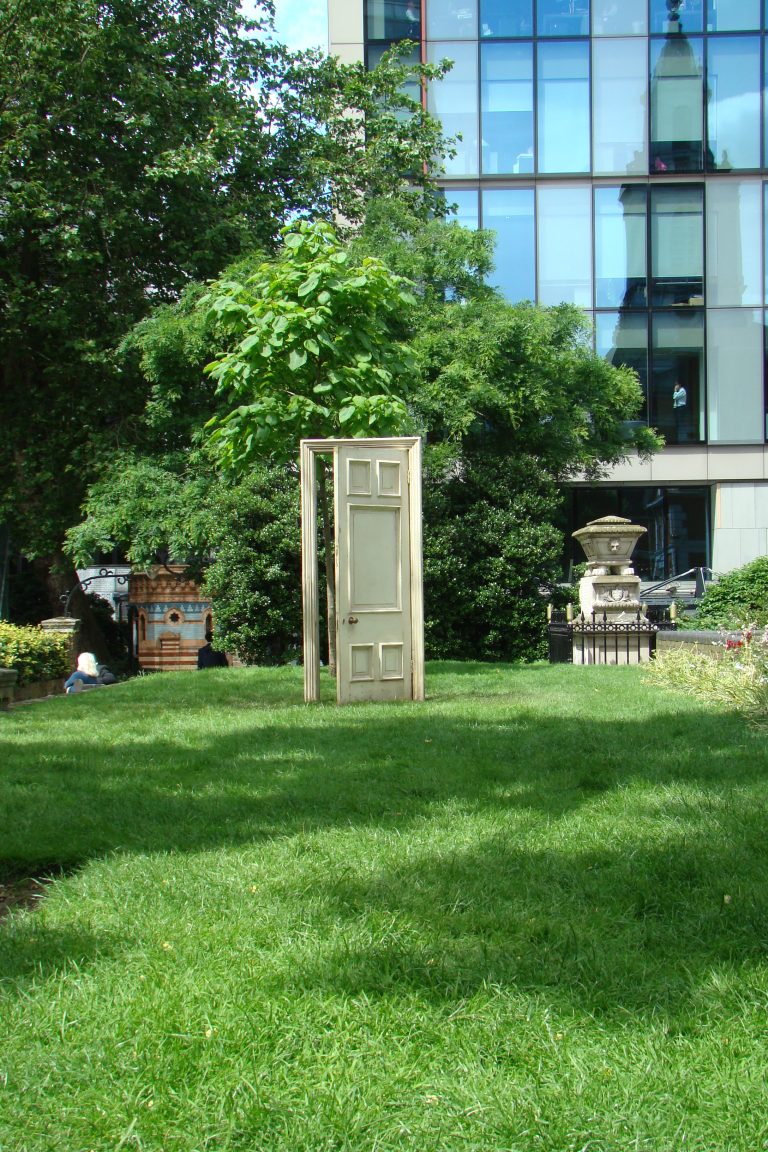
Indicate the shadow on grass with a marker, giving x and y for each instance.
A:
(622, 922)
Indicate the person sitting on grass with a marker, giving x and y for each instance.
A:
(208, 657)
(87, 672)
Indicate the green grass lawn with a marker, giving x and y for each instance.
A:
(529, 914)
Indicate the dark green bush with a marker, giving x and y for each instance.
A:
(491, 555)
(255, 579)
(36, 655)
(739, 597)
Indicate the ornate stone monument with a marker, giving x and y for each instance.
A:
(612, 628)
(610, 586)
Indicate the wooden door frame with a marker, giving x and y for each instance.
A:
(310, 584)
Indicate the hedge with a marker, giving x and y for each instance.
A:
(36, 655)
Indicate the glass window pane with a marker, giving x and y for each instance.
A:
(735, 376)
(733, 256)
(733, 105)
(689, 18)
(509, 213)
(678, 364)
(563, 107)
(612, 18)
(454, 21)
(453, 100)
(620, 247)
(765, 240)
(565, 246)
(412, 88)
(619, 107)
(733, 15)
(465, 202)
(563, 17)
(622, 339)
(677, 244)
(394, 19)
(677, 105)
(506, 17)
(507, 107)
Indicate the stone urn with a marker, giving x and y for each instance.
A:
(610, 587)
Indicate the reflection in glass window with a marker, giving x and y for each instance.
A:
(676, 398)
(733, 105)
(563, 107)
(676, 519)
(620, 247)
(733, 15)
(565, 246)
(677, 105)
(690, 16)
(413, 87)
(453, 100)
(452, 20)
(465, 201)
(622, 339)
(394, 19)
(677, 244)
(614, 18)
(734, 376)
(733, 257)
(507, 107)
(509, 213)
(562, 17)
(506, 18)
(619, 116)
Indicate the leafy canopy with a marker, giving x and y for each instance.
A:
(145, 145)
(313, 349)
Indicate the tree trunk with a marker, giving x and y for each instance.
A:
(330, 564)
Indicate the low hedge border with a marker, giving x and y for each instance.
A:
(33, 653)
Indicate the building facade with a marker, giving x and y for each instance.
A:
(619, 150)
(170, 617)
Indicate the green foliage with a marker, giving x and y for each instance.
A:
(489, 549)
(734, 674)
(311, 349)
(738, 598)
(254, 578)
(241, 538)
(145, 144)
(36, 655)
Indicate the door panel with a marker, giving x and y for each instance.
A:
(373, 559)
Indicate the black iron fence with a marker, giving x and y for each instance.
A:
(596, 639)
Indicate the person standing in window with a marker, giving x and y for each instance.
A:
(680, 411)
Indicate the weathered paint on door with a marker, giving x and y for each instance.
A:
(373, 568)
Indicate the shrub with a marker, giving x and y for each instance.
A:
(36, 655)
(491, 557)
(736, 675)
(739, 597)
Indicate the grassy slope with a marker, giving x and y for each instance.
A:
(531, 913)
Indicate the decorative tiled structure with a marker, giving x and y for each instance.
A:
(171, 618)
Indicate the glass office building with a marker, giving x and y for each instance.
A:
(619, 151)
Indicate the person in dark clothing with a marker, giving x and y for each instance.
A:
(207, 657)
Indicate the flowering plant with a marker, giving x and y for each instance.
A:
(733, 672)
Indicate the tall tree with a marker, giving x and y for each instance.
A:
(143, 145)
(313, 350)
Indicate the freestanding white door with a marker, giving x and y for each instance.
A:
(373, 574)
(379, 609)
